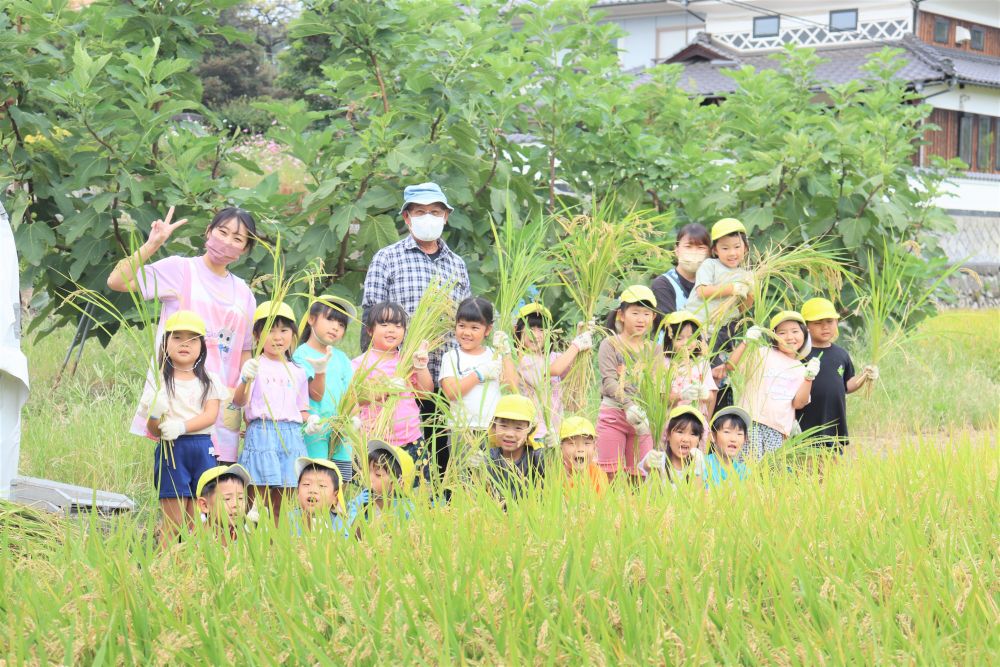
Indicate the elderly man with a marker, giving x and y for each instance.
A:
(402, 272)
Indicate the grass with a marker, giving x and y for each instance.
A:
(892, 559)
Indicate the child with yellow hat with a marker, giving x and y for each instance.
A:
(777, 382)
(275, 393)
(723, 285)
(827, 411)
(222, 500)
(681, 460)
(391, 477)
(578, 444)
(182, 412)
(511, 463)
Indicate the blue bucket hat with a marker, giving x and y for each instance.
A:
(425, 193)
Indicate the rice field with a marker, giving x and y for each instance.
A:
(891, 558)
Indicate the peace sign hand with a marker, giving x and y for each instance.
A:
(160, 230)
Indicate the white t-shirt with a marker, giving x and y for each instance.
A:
(184, 402)
(477, 407)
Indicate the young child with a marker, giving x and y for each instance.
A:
(222, 500)
(542, 374)
(274, 394)
(722, 286)
(730, 427)
(321, 505)
(391, 473)
(827, 409)
(685, 350)
(472, 374)
(386, 326)
(682, 461)
(511, 464)
(623, 436)
(329, 371)
(182, 413)
(777, 383)
(578, 442)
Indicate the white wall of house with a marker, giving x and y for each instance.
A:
(984, 12)
(654, 36)
(972, 194)
(727, 18)
(970, 99)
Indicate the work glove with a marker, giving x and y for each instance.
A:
(253, 516)
(159, 405)
(313, 425)
(478, 458)
(398, 384)
(636, 416)
(584, 341)
(654, 460)
(692, 392)
(501, 343)
(249, 371)
(422, 356)
(489, 370)
(755, 333)
(698, 463)
(871, 371)
(703, 392)
(356, 423)
(812, 368)
(319, 363)
(171, 429)
(741, 289)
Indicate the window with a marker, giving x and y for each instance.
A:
(766, 26)
(965, 139)
(985, 138)
(843, 20)
(941, 29)
(978, 38)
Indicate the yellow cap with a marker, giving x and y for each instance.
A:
(687, 410)
(515, 406)
(273, 308)
(680, 317)
(215, 473)
(407, 468)
(573, 426)
(819, 309)
(185, 320)
(304, 462)
(533, 308)
(784, 316)
(638, 294)
(725, 227)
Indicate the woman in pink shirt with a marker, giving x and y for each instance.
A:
(204, 285)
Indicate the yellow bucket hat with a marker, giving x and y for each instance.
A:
(819, 309)
(574, 426)
(215, 473)
(407, 468)
(275, 309)
(680, 317)
(725, 227)
(638, 294)
(531, 309)
(515, 406)
(304, 462)
(785, 316)
(687, 410)
(185, 320)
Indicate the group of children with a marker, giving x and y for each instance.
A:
(504, 395)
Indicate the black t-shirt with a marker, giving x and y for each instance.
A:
(828, 398)
(666, 298)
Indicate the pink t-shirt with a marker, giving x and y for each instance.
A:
(280, 392)
(772, 380)
(406, 419)
(225, 303)
(533, 372)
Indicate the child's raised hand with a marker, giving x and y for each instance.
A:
(812, 368)
(249, 371)
(654, 460)
(584, 340)
(692, 393)
(422, 356)
(313, 425)
(501, 343)
(160, 230)
(741, 289)
(871, 372)
(755, 333)
(319, 364)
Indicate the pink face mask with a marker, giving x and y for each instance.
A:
(220, 252)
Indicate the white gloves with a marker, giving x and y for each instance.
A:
(698, 463)
(812, 368)
(421, 357)
(478, 458)
(159, 405)
(755, 333)
(654, 460)
(692, 392)
(636, 416)
(741, 289)
(490, 370)
(249, 370)
(398, 384)
(313, 425)
(319, 363)
(356, 423)
(584, 341)
(171, 429)
(871, 371)
(501, 343)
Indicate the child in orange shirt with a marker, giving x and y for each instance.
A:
(578, 441)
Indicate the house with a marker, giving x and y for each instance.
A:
(952, 58)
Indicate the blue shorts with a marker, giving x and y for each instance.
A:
(177, 468)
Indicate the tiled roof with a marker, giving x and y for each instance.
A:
(970, 67)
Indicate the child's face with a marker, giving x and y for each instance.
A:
(729, 440)
(685, 338)
(790, 338)
(635, 320)
(823, 332)
(183, 348)
(227, 504)
(387, 336)
(533, 339)
(578, 452)
(317, 492)
(510, 434)
(327, 330)
(381, 481)
(730, 250)
(279, 339)
(681, 441)
(470, 335)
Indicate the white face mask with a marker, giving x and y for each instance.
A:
(690, 260)
(427, 227)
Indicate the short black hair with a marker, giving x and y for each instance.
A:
(241, 216)
(321, 309)
(529, 321)
(384, 459)
(209, 489)
(696, 232)
(329, 472)
(697, 428)
(475, 309)
(729, 421)
(386, 312)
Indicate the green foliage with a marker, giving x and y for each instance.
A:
(246, 114)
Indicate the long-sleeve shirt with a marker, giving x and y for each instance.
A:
(610, 360)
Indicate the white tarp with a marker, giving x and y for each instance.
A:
(13, 363)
